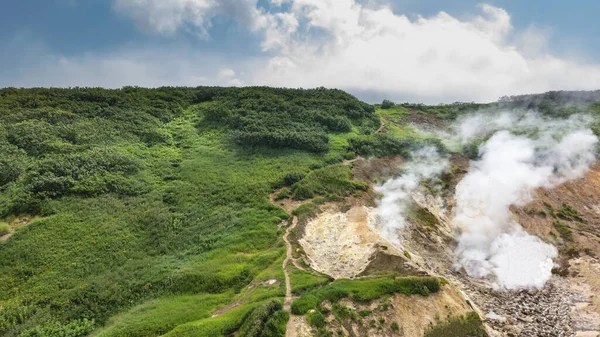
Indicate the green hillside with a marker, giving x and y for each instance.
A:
(144, 212)
(153, 203)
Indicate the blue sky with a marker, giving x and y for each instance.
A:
(500, 47)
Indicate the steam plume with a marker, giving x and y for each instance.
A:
(543, 154)
(426, 163)
(519, 152)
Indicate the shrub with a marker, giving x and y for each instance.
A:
(387, 104)
(306, 211)
(254, 324)
(292, 178)
(316, 319)
(276, 324)
(76, 328)
(335, 180)
(284, 193)
(395, 327)
(4, 228)
(567, 212)
(563, 230)
(364, 290)
(468, 325)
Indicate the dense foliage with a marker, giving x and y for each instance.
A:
(121, 198)
(139, 212)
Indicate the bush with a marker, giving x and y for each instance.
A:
(380, 145)
(468, 325)
(364, 290)
(563, 230)
(254, 324)
(387, 104)
(292, 178)
(316, 319)
(276, 324)
(335, 180)
(4, 228)
(284, 193)
(76, 328)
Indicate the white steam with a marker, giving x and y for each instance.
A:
(519, 152)
(546, 153)
(425, 163)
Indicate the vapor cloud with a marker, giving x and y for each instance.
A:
(525, 152)
(519, 152)
(425, 163)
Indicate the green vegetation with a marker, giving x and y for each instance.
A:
(302, 280)
(469, 325)
(306, 211)
(333, 180)
(4, 228)
(387, 104)
(568, 213)
(148, 209)
(282, 118)
(316, 319)
(364, 290)
(155, 200)
(254, 324)
(160, 316)
(395, 327)
(73, 328)
(564, 230)
(283, 194)
(421, 216)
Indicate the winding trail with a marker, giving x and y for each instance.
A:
(288, 256)
(381, 126)
(290, 330)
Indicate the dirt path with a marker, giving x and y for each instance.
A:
(380, 126)
(288, 256)
(287, 302)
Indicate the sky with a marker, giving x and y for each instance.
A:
(431, 51)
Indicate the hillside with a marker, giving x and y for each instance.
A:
(151, 212)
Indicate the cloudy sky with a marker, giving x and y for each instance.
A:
(406, 50)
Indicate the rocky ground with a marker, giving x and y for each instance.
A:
(343, 241)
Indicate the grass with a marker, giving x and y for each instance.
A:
(160, 316)
(222, 325)
(4, 228)
(283, 193)
(302, 280)
(204, 228)
(333, 180)
(469, 325)
(306, 211)
(364, 290)
(568, 213)
(316, 319)
(421, 216)
(564, 230)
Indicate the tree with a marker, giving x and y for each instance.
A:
(387, 104)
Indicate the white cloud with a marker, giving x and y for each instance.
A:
(366, 49)
(150, 67)
(438, 58)
(168, 16)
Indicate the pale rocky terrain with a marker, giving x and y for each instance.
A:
(346, 244)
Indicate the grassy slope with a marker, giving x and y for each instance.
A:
(200, 229)
(176, 220)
